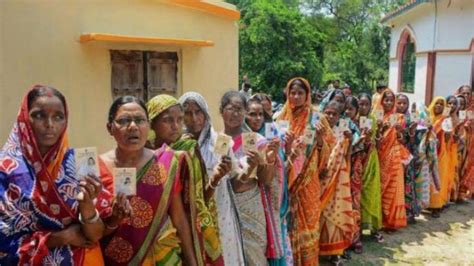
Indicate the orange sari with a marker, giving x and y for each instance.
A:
(392, 155)
(337, 217)
(304, 188)
(447, 160)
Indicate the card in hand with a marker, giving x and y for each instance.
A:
(447, 125)
(344, 124)
(309, 134)
(222, 145)
(393, 119)
(249, 141)
(86, 162)
(446, 111)
(378, 115)
(125, 181)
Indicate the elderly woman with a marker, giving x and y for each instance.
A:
(43, 220)
(167, 116)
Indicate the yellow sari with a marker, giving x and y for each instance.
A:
(447, 159)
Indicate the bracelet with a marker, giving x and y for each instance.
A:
(91, 220)
(111, 227)
(210, 184)
(411, 135)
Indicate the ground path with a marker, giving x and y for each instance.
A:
(448, 240)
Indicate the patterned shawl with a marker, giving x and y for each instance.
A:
(208, 135)
(38, 196)
(298, 117)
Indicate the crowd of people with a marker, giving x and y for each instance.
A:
(341, 170)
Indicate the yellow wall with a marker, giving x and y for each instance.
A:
(39, 45)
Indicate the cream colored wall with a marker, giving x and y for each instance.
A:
(39, 45)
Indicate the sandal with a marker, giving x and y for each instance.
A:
(379, 237)
(357, 247)
(436, 213)
(336, 261)
(346, 255)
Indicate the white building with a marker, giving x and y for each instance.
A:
(431, 47)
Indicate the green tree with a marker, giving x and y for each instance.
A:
(277, 43)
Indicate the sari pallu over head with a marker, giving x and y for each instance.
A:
(133, 240)
(393, 156)
(298, 117)
(447, 158)
(193, 176)
(208, 136)
(38, 196)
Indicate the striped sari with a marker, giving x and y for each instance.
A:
(337, 223)
(203, 214)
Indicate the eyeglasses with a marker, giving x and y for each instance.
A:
(126, 122)
(235, 110)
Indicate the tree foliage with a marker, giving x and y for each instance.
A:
(318, 39)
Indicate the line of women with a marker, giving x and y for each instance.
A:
(291, 201)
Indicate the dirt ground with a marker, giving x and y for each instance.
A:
(448, 240)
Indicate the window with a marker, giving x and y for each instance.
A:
(144, 74)
(408, 67)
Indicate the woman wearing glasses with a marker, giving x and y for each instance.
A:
(252, 170)
(157, 231)
(166, 116)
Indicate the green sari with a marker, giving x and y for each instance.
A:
(371, 203)
(202, 214)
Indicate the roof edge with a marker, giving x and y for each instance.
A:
(403, 9)
(224, 10)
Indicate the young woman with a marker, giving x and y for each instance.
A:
(392, 156)
(371, 202)
(158, 231)
(337, 216)
(279, 187)
(43, 220)
(303, 170)
(447, 160)
(411, 141)
(250, 174)
(198, 124)
(358, 160)
(166, 115)
(453, 103)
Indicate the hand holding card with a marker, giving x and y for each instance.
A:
(86, 162)
(222, 145)
(249, 141)
(125, 181)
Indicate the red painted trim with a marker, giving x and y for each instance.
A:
(430, 74)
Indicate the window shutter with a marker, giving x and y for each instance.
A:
(127, 73)
(162, 73)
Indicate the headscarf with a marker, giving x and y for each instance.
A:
(207, 136)
(298, 117)
(431, 107)
(158, 105)
(38, 193)
(329, 97)
(378, 104)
